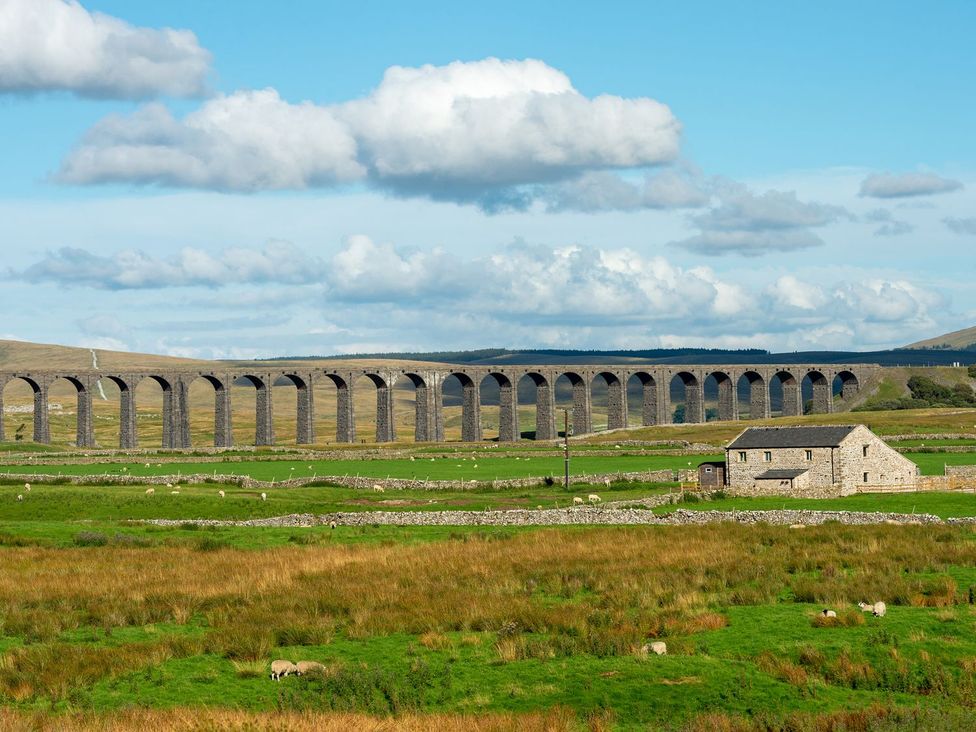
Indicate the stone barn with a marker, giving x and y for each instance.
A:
(815, 462)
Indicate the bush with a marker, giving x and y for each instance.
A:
(90, 538)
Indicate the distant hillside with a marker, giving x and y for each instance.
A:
(959, 340)
(17, 355)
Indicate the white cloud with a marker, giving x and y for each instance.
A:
(792, 292)
(58, 45)
(278, 262)
(903, 185)
(477, 131)
(743, 210)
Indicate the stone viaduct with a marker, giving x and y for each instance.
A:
(655, 386)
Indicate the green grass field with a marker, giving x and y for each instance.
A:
(477, 465)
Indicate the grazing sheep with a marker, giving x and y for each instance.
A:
(577, 501)
(150, 491)
(27, 487)
(877, 609)
(828, 613)
(305, 667)
(281, 668)
(20, 497)
(594, 498)
(606, 482)
(221, 494)
(332, 524)
(377, 488)
(658, 648)
(264, 496)
(169, 485)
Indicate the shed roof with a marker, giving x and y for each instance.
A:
(817, 436)
(781, 474)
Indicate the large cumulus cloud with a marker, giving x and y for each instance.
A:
(58, 45)
(479, 131)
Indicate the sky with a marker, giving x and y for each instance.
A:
(237, 179)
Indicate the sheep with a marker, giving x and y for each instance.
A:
(594, 498)
(377, 488)
(20, 497)
(174, 493)
(306, 667)
(332, 524)
(150, 491)
(27, 487)
(169, 485)
(606, 483)
(281, 668)
(658, 648)
(221, 494)
(577, 501)
(264, 496)
(828, 613)
(877, 609)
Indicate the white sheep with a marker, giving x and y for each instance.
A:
(264, 496)
(606, 482)
(221, 494)
(594, 498)
(658, 648)
(577, 501)
(281, 668)
(878, 609)
(20, 497)
(169, 485)
(828, 613)
(305, 667)
(332, 524)
(27, 487)
(377, 488)
(150, 491)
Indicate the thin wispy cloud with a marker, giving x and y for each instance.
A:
(906, 185)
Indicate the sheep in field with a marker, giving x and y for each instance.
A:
(264, 496)
(577, 501)
(20, 497)
(174, 493)
(594, 498)
(377, 488)
(27, 487)
(828, 613)
(878, 609)
(281, 668)
(305, 667)
(221, 494)
(658, 648)
(606, 482)
(332, 524)
(150, 491)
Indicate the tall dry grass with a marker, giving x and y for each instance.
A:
(614, 588)
(214, 720)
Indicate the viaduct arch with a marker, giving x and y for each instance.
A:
(655, 394)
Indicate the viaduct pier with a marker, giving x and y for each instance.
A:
(655, 388)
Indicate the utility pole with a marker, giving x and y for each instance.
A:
(566, 446)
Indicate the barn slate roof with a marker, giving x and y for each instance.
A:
(772, 437)
(781, 474)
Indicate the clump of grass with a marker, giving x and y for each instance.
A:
(845, 619)
(250, 669)
(210, 544)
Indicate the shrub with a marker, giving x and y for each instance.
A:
(90, 538)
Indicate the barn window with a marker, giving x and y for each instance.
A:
(742, 457)
(809, 455)
(767, 456)
(865, 477)
(864, 450)
(708, 469)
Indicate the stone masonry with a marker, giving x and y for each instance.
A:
(655, 380)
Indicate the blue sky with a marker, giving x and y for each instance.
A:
(332, 178)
